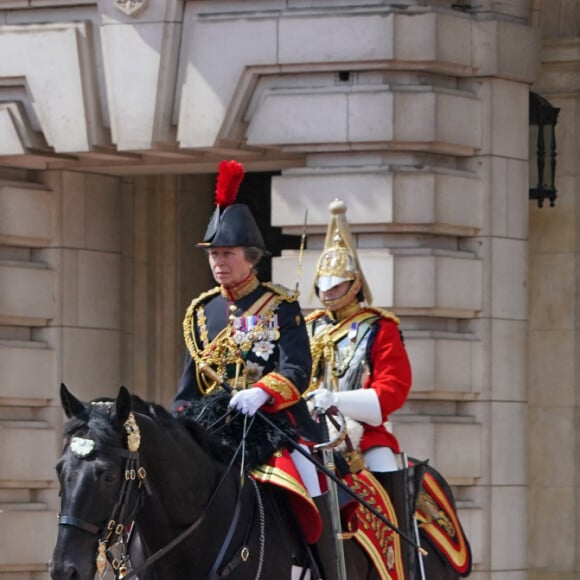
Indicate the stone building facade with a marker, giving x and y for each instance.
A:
(113, 117)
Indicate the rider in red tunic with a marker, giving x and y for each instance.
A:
(360, 364)
(361, 367)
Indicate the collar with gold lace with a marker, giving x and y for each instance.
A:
(241, 290)
(345, 312)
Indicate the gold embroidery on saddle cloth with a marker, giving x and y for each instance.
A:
(227, 348)
(456, 548)
(385, 550)
(277, 476)
(430, 512)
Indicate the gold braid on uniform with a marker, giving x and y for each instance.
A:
(190, 341)
(285, 293)
(223, 349)
(319, 349)
(384, 313)
(323, 344)
(322, 348)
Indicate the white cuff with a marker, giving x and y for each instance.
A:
(360, 405)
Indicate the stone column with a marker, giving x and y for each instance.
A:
(164, 272)
(29, 428)
(439, 211)
(60, 310)
(554, 344)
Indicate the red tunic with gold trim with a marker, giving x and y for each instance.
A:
(251, 335)
(364, 350)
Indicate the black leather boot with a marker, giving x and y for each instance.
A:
(325, 549)
(403, 487)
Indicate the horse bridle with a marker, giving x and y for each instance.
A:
(121, 518)
(243, 552)
(124, 510)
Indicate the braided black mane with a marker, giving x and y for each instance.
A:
(214, 427)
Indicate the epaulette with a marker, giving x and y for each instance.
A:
(383, 313)
(188, 324)
(315, 315)
(203, 297)
(286, 294)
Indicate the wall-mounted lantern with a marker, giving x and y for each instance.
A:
(542, 162)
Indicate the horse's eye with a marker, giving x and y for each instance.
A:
(109, 476)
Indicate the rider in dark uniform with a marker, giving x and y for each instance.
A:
(251, 333)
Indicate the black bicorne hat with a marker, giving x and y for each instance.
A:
(232, 224)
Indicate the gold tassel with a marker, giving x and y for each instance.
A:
(101, 559)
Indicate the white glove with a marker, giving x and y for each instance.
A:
(249, 401)
(323, 399)
(360, 405)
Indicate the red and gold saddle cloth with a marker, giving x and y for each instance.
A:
(380, 542)
(437, 519)
(282, 472)
(382, 545)
(435, 514)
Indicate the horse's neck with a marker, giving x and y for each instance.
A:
(182, 475)
(189, 492)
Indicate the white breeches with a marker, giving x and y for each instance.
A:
(381, 459)
(376, 459)
(307, 472)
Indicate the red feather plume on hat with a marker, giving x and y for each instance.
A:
(229, 178)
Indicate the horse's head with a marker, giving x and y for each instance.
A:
(101, 479)
(98, 479)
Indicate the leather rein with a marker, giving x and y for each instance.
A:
(115, 532)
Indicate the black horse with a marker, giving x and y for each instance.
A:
(130, 464)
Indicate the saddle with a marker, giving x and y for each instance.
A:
(415, 492)
(416, 500)
(382, 544)
(438, 521)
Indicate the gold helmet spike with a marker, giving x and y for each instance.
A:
(339, 261)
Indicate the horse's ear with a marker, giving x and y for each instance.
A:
(123, 404)
(71, 405)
